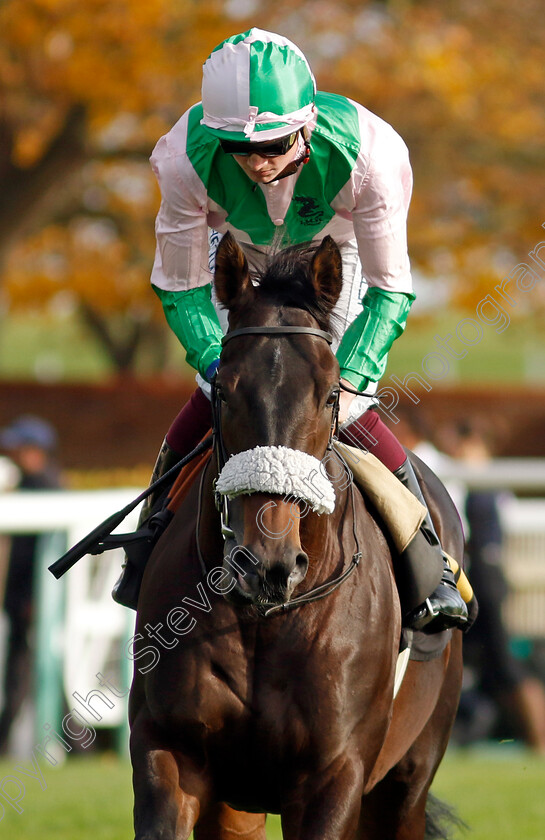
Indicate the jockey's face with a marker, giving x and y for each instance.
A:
(263, 170)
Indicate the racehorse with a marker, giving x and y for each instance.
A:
(268, 630)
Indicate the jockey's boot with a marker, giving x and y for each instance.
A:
(445, 606)
(127, 588)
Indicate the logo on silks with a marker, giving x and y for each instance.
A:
(308, 210)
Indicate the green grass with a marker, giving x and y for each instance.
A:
(515, 355)
(52, 348)
(499, 792)
(49, 349)
(85, 799)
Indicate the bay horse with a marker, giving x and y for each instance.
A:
(268, 630)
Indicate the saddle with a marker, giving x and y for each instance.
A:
(401, 512)
(399, 509)
(184, 481)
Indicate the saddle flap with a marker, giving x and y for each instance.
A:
(184, 480)
(400, 511)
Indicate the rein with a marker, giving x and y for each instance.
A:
(100, 538)
(324, 589)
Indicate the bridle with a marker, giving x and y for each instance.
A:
(221, 501)
(219, 446)
(277, 331)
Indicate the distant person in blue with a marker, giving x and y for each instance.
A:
(30, 443)
(504, 684)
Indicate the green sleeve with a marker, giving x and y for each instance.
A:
(194, 321)
(364, 348)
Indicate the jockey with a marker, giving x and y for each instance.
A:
(267, 157)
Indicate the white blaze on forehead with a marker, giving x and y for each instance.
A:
(278, 469)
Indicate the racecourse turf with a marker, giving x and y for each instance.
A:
(498, 791)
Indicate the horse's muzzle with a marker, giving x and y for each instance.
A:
(265, 581)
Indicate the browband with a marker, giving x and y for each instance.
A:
(277, 331)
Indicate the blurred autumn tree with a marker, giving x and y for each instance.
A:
(463, 83)
(88, 87)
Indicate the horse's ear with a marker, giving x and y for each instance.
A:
(327, 272)
(232, 278)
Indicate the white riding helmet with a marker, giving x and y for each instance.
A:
(257, 86)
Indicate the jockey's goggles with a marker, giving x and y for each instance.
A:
(245, 149)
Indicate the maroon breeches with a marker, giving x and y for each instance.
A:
(370, 432)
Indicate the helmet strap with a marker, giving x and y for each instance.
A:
(294, 165)
(306, 138)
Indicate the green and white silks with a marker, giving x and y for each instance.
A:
(194, 321)
(356, 187)
(335, 145)
(364, 348)
(257, 86)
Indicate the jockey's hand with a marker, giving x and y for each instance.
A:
(212, 370)
(345, 401)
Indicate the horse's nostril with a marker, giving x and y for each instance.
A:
(299, 570)
(301, 563)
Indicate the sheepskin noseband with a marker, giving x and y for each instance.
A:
(278, 469)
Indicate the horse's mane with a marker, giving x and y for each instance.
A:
(286, 280)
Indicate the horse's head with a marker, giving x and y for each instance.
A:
(277, 395)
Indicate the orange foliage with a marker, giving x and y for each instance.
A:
(461, 82)
(133, 66)
(112, 56)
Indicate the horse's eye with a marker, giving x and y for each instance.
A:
(220, 392)
(333, 397)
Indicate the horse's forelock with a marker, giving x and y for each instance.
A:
(286, 280)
